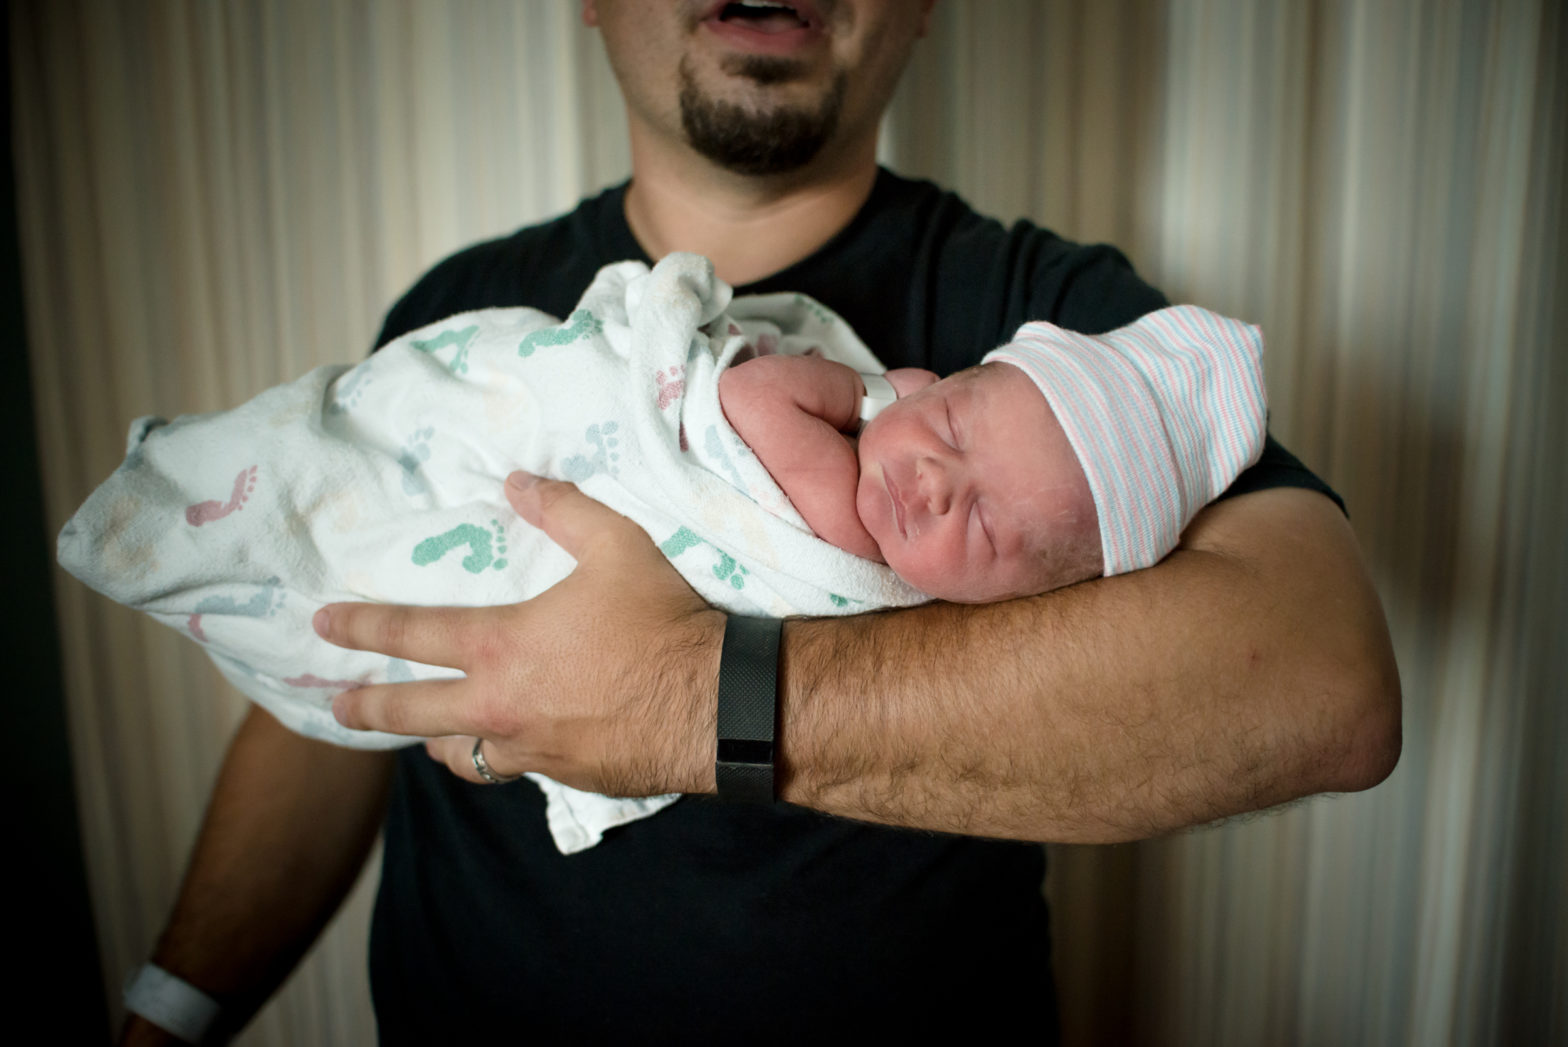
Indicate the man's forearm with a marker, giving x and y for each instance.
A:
(1249, 668)
(286, 833)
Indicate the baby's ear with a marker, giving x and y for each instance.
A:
(907, 380)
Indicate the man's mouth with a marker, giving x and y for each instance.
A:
(763, 16)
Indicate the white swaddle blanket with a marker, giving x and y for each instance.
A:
(383, 482)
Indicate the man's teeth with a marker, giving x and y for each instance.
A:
(758, 9)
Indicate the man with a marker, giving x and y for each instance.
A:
(1249, 668)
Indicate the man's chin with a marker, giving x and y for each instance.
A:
(758, 133)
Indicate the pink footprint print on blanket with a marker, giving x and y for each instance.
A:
(207, 512)
(671, 383)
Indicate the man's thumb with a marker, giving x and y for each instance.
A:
(560, 510)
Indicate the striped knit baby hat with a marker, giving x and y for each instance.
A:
(1163, 414)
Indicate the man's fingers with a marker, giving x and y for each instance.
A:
(457, 753)
(419, 708)
(907, 380)
(560, 510)
(432, 635)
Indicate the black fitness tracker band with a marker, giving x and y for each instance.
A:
(748, 698)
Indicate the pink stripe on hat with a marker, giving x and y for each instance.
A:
(1163, 414)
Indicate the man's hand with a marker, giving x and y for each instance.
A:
(603, 682)
(1250, 667)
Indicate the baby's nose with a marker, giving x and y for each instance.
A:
(935, 485)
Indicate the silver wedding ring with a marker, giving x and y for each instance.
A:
(484, 768)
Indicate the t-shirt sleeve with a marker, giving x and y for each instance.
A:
(443, 291)
(1277, 467)
(1089, 289)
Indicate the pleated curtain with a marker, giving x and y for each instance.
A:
(214, 197)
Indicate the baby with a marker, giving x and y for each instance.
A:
(967, 487)
(383, 481)
(1037, 469)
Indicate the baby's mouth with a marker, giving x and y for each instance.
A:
(898, 504)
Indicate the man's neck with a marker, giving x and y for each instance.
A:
(750, 227)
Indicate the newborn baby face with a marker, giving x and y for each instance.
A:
(972, 492)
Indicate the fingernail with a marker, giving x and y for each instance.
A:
(521, 481)
(321, 622)
(340, 710)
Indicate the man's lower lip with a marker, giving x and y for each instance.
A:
(740, 35)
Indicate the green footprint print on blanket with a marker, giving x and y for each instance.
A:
(486, 548)
(726, 565)
(724, 568)
(415, 451)
(822, 313)
(350, 388)
(581, 324)
(601, 458)
(263, 603)
(459, 362)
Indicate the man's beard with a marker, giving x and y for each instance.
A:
(757, 143)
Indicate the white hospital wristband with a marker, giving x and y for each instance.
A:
(879, 394)
(171, 1003)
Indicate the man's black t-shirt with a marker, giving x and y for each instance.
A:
(756, 924)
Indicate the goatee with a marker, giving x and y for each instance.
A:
(750, 142)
